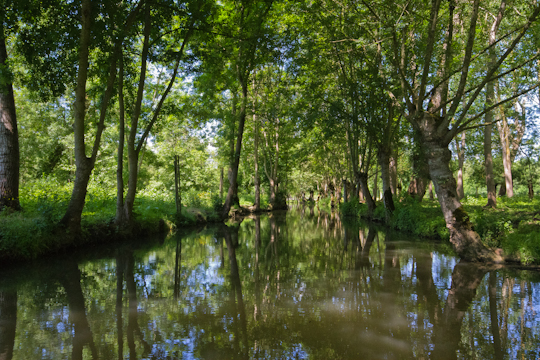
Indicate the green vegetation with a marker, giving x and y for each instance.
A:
(34, 230)
(514, 226)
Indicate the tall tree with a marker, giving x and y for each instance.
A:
(490, 100)
(85, 164)
(160, 46)
(9, 137)
(434, 113)
(246, 22)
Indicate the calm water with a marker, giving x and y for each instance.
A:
(301, 284)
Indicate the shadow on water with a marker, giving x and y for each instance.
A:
(288, 285)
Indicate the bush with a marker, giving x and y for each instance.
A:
(421, 219)
(352, 207)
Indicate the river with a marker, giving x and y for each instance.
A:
(302, 284)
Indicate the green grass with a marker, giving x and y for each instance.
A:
(513, 226)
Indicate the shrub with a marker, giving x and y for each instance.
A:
(352, 207)
(422, 219)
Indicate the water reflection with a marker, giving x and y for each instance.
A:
(69, 277)
(8, 322)
(291, 285)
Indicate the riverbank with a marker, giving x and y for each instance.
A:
(513, 226)
(34, 232)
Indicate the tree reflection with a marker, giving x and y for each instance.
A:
(8, 322)
(447, 329)
(70, 278)
(120, 265)
(231, 238)
(133, 329)
(362, 253)
(285, 290)
(177, 266)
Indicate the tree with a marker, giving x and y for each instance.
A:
(166, 45)
(246, 24)
(490, 100)
(87, 47)
(85, 164)
(434, 112)
(276, 116)
(9, 137)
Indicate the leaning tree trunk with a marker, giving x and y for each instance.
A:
(465, 240)
(134, 149)
(9, 137)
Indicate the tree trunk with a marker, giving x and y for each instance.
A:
(490, 101)
(363, 179)
(177, 194)
(85, 165)
(490, 182)
(375, 181)
(420, 180)
(257, 205)
(236, 160)
(465, 240)
(133, 175)
(393, 170)
(384, 162)
(9, 137)
(257, 178)
(504, 134)
(221, 185)
(72, 217)
(120, 211)
(134, 149)
(461, 161)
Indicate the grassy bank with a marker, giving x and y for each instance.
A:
(514, 226)
(33, 231)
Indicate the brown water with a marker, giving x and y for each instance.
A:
(296, 285)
